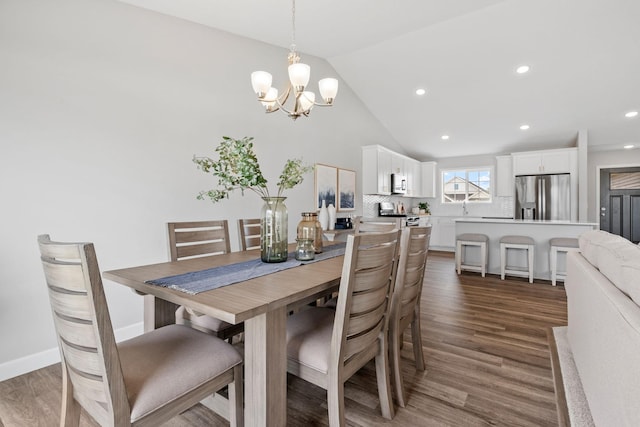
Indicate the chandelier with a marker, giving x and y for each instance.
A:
(302, 101)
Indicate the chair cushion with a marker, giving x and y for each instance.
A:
(473, 237)
(517, 240)
(564, 242)
(164, 364)
(203, 321)
(309, 337)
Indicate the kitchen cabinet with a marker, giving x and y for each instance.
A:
(443, 233)
(378, 163)
(376, 170)
(428, 178)
(504, 176)
(545, 161)
(413, 173)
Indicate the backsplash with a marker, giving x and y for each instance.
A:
(500, 206)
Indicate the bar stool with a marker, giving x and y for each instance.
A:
(560, 244)
(472, 239)
(516, 242)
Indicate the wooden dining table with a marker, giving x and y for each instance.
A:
(262, 303)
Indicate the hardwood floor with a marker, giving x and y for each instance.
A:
(487, 363)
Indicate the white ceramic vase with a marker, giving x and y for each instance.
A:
(332, 216)
(323, 216)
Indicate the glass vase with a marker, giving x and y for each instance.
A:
(274, 226)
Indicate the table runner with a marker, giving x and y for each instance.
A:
(205, 280)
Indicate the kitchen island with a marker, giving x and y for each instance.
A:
(540, 230)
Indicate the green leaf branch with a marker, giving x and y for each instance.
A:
(237, 167)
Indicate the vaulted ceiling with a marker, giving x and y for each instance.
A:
(584, 59)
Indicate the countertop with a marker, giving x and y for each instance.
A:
(522, 221)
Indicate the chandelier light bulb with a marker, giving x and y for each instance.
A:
(269, 101)
(307, 99)
(261, 82)
(328, 89)
(299, 75)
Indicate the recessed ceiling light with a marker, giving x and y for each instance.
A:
(522, 69)
(445, 137)
(420, 91)
(629, 146)
(524, 127)
(631, 114)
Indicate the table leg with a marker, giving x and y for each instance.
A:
(158, 313)
(265, 361)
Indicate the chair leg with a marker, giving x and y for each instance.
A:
(458, 257)
(416, 337)
(335, 401)
(384, 385)
(553, 262)
(236, 406)
(395, 339)
(70, 411)
(530, 253)
(503, 260)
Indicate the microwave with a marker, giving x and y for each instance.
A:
(398, 184)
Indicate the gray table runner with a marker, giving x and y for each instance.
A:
(200, 281)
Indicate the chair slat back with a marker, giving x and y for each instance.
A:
(198, 238)
(376, 225)
(368, 276)
(413, 259)
(83, 326)
(249, 233)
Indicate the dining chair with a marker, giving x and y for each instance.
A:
(376, 224)
(196, 239)
(405, 302)
(326, 347)
(143, 381)
(249, 233)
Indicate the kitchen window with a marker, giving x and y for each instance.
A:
(466, 185)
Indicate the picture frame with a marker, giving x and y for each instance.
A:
(346, 190)
(326, 185)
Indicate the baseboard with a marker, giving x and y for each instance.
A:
(32, 362)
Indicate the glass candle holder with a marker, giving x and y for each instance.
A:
(305, 250)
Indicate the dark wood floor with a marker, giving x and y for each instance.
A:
(487, 364)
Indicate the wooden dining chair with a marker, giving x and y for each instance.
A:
(376, 224)
(405, 302)
(143, 381)
(249, 233)
(326, 347)
(197, 239)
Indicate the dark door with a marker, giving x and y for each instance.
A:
(620, 202)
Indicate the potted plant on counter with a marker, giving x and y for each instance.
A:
(237, 167)
(424, 208)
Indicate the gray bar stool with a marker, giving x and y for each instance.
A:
(472, 239)
(516, 242)
(560, 244)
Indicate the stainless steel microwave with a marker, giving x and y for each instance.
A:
(398, 183)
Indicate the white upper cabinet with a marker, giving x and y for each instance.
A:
(504, 176)
(376, 170)
(428, 172)
(544, 162)
(413, 173)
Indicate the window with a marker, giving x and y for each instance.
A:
(466, 185)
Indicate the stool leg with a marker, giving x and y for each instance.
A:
(503, 260)
(530, 251)
(553, 262)
(483, 258)
(458, 256)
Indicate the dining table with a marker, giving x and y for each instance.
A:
(262, 303)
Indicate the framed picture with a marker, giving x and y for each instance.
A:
(326, 185)
(346, 190)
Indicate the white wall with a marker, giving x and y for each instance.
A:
(102, 106)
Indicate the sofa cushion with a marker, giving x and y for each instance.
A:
(631, 280)
(591, 241)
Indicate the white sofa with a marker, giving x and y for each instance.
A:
(603, 297)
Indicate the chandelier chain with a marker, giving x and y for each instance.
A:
(293, 25)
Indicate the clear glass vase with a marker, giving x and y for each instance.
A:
(274, 226)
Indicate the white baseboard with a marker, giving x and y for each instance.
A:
(29, 363)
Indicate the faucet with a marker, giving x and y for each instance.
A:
(464, 208)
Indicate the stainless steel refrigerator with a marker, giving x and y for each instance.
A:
(543, 197)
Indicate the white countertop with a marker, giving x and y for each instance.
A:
(522, 221)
